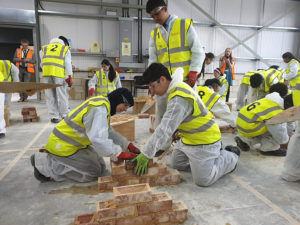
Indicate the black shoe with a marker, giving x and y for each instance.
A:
(242, 145)
(2, 135)
(278, 152)
(234, 149)
(36, 173)
(54, 120)
(159, 153)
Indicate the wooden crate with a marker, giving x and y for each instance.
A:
(141, 101)
(6, 115)
(125, 125)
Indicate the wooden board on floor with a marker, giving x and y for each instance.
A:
(289, 115)
(21, 87)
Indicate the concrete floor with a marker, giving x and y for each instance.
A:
(253, 194)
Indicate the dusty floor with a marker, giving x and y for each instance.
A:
(253, 194)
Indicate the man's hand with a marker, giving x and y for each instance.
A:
(126, 155)
(142, 164)
(69, 81)
(133, 149)
(192, 78)
(91, 92)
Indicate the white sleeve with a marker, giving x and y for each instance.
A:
(241, 96)
(117, 82)
(97, 130)
(41, 57)
(279, 132)
(93, 82)
(293, 72)
(223, 89)
(178, 109)
(68, 64)
(221, 110)
(15, 73)
(197, 51)
(152, 52)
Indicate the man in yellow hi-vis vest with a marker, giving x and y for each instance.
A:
(77, 145)
(292, 72)
(252, 128)
(57, 69)
(200, 146)
(8, 73)
(174, 43)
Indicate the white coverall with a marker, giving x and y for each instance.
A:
(291, 170)
(5, 98)
(86, 164)
(94, 81)
(274, 137)
(207, 162)
(293, 72)
(57, 99)
(223, 88)
(197, 58)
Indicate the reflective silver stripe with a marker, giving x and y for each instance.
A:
(257, 115)
(297, 87)
(269, 76)
(252, 130)
(181, 64)
(45, 51)
(200, 129)
(65, 138)
(74, 125)
(210, 99)
(166, 64)
(53, 64)
(155, 33)
(203, 110)
(189, 119)
(62, 51)
(162, 51)
(179, 49)
(53, 57)
(182, 31)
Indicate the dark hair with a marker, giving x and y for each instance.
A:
(24, 41)
(154, 72)
(288, 101)
(256, 80)
(210, 82)
(218, 70)
(208, 55)
(288, 55)
(280, 88)
(65, 40)
(152, 4)
(112, 73)
(274, 67)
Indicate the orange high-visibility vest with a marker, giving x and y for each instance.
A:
(232, 68)
(30, 66)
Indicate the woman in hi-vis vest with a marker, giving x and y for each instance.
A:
(291, 74)
(105, 81)
(227, 64)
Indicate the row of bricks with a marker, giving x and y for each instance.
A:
(30, 116)
(178, 214)
(29, 113)
(28, 109)
(107, 183)
(37, 119)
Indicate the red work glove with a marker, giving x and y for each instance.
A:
(126, 155)
(91, 92)
(192, 78)
(133, 149)
(69, 81)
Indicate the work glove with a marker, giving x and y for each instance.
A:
(126, 155)
(192, 78)
(69, 81)
(133, 149)
(142, 164)
(91, 92)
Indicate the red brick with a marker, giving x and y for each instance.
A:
(178, 214)
(32, 113)
(157, 169)
(37, 119)
(129, 165)
(139, 220)
(28, 108)
(86, 218)
(117, 168)
(132, 194)
(172, 177)
(116, 213)
(105, 204)
(106, 183)
(161, 202)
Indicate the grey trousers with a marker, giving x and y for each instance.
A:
(83, 166)
(57, 99)
(24, 76)
(207, 162)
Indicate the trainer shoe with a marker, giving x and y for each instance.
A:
(242, 145)
(54, 120)
(278, 152)
(36, 173)
(234, 149)
(2, 135)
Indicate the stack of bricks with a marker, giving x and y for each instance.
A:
(136, 204)
(29, 114)
(123, 174)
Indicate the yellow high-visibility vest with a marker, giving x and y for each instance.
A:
(69, 135)
(208, 96)
(296, 95)
(104, 85)
(200, 127)
(224, 82)
(246, 77)
(269, 76)
(295, 80)
(54, 60)
(251, 118)
(5, 71)
(174, 52)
